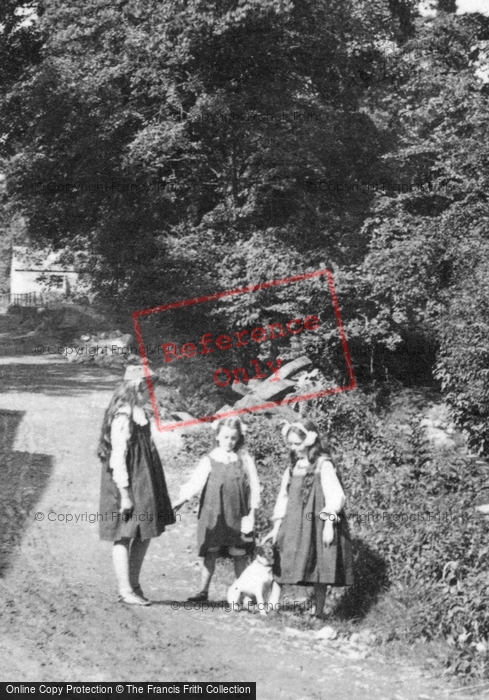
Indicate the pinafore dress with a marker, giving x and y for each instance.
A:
(224, 502)
(147, 487)
(302, 556)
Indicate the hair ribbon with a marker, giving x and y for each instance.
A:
(309, 435)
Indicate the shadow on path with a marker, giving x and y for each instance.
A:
(24, 477)
(370, 580)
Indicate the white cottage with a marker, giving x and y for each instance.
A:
(38, 273)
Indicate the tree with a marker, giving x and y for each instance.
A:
(20, 40)
(426, 265)
(162, 135)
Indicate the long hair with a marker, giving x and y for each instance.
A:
(319, 448)
(125, 394)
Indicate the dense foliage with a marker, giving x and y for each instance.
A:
(184, 147)
(415, 508)
(190, 147)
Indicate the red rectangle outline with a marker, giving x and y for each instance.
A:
(233, 292)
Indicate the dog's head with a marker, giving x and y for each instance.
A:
(264, 554)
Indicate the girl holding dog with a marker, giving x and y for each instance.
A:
(134, 495)
(228, 481)
(310, 529)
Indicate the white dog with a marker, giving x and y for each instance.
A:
(255, 581)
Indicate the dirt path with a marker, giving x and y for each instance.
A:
(60, 620)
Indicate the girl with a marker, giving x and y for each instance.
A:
(310, 529)
(230, 489)
(133, 496)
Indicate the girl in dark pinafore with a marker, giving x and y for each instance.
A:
(310, 529)
(134, 500)
(230, 489)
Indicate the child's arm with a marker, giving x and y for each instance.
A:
(120, 432)
(255, 489)
(280, 507)
(195, 484)
(334, 499)
(248, 523)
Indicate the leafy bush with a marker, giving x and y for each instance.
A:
(414, 508)
(463, 361)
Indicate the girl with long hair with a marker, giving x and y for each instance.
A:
(310, 530)
(134, 500)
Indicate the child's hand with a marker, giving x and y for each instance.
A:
(127, 506)
(272, 535)
(247, 524)
(328, 532)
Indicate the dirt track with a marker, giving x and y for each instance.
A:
(60, 620)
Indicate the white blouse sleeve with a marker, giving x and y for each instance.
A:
(334, 495)
(120, 432)
(197, 481)
(249, 464)
(282, 498)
